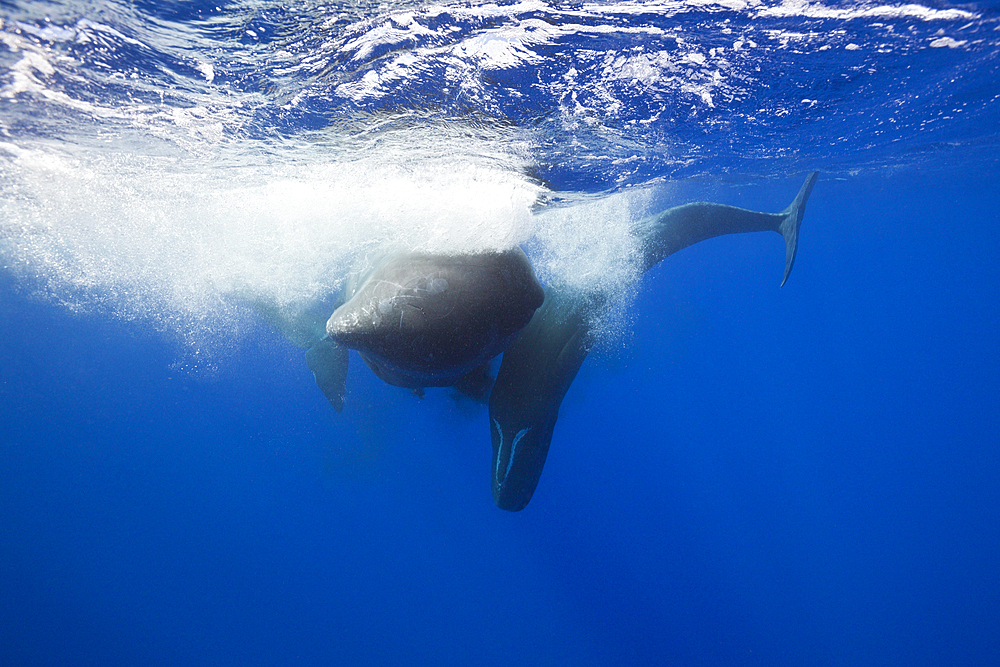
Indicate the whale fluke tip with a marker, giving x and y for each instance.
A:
(789, 227)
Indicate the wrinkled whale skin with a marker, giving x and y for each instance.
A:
(427, 320)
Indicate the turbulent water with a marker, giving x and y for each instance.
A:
(165, 160)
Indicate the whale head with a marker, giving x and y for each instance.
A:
(427, 320)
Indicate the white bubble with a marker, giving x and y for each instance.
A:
(188, 240)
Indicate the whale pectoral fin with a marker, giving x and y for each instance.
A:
(328, 363)
(789, 227)
(536, 371)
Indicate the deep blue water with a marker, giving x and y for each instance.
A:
(740, 474)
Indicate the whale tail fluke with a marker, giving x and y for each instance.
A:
(789, 227)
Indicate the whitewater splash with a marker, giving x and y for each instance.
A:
(166, 237)
(173, 167)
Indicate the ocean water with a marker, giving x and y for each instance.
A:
(741, 474)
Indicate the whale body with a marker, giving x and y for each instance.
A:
(539, 367)
(427, 320)
(434, 320)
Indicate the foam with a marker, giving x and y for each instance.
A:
(588, 246)
(190, 243)
(184, 241)
(807, 9)
(173, 188)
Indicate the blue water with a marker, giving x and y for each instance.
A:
(740, 474)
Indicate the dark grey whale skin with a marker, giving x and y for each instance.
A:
(428, 320)
(414, 334)
(539, 367)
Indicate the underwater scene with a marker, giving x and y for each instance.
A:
(459, 333)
